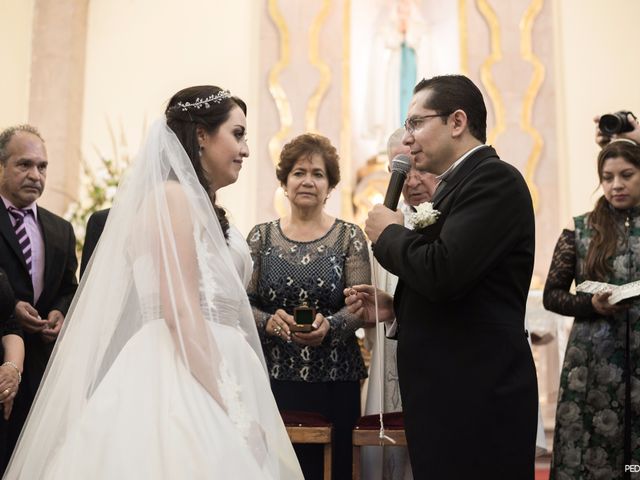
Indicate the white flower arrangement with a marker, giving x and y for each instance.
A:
(424, 216)
(98, 189)
(99, 182)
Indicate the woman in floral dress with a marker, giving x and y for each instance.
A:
(598, 417)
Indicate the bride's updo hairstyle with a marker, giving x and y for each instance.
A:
(208, 107)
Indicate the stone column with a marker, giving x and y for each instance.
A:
(56, 92)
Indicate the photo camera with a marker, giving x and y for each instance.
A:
(613, 123)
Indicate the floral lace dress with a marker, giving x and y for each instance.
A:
(288, 273)
(590, 418)
(324, 379)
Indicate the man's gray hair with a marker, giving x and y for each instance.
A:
(394, 140)
(7, 134)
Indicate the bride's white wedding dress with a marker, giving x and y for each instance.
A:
(138, 442)
(158, 372)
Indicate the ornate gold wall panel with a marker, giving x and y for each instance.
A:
(279, 96)
(463, 30)
(486, 75)
(311, 115)
(510, 55)
(304, 60)
(526, 50)
(345, 130)
(275, 87)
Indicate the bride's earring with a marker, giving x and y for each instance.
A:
(200, 151)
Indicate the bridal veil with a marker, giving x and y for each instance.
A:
(162, 275)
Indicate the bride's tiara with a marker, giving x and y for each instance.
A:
(202, 102)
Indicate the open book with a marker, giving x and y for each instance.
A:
(618, 292)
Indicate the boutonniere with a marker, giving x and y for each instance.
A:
(424, 216)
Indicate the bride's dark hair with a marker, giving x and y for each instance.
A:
(184, 118)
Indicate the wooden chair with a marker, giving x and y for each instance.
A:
(309, 427)
(367, 433)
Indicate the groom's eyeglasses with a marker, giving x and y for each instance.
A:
(412, 124)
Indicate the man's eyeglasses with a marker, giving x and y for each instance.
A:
(411, 124)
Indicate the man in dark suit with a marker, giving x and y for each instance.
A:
(37, 252)
(95, 226)
(467, 377)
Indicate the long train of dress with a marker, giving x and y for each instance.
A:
(167, 440)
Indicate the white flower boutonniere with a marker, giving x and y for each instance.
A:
(424, 216)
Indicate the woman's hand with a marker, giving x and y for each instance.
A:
(600, 302)
(360, 301)
(314, 338)
(601, 138)
(9, 381)
(279, 325)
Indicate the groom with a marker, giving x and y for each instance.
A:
(467, 377)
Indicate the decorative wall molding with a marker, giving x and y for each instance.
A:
(345, 129)
(486, 74)
(278, 93)
(526, 115)
(311, 115)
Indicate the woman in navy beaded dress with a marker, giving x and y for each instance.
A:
(310, 257)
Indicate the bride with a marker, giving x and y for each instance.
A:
(159, 371)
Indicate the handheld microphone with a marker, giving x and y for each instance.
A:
(400, 167)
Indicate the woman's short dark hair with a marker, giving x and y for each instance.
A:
(305, 146)
(602, 219)
(184, 120)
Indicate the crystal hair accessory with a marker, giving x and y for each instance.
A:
(203, 102)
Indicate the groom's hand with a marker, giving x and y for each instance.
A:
(380, 217)
(360, 301)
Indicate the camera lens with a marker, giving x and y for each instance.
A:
(609, 124)
(613, 123)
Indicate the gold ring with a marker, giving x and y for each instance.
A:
(7, 391)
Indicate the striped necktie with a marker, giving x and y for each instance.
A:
(21, 232)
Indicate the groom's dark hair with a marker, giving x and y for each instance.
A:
(456, 92)
(186, 111)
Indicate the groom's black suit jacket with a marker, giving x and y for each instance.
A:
(59, 286)
(467, 377)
